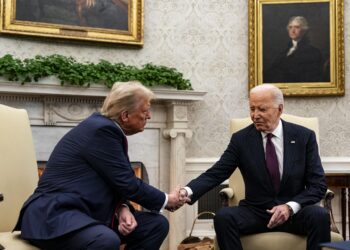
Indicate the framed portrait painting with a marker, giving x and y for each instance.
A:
(112, 21)
(297, 45)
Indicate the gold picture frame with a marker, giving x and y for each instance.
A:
(317, 66)
(110, 21)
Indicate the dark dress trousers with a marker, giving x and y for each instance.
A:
(303, 65)
(303, 181)
(88, 174)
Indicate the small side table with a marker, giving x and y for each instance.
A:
(341, 180)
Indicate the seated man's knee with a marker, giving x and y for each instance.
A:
(223, 215)
(106, 240)
(162, 224)
(322, 214)
(317, 215)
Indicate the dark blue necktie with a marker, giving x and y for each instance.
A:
(272, 163)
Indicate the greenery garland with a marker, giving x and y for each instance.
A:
(69, 71)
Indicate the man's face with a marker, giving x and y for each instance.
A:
(264, 113)
(135, 121)
(295, 31)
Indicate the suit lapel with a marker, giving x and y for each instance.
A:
(289, 151)
(125, 147)
(124, 141)
(257, 151)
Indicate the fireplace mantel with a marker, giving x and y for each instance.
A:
(94, 90)
(55, 109)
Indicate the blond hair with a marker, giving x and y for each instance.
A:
(125, 96)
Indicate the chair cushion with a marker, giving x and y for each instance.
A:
(274, 240)
(12, 241)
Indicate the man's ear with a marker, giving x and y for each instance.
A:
(280, 108)
(124, 116)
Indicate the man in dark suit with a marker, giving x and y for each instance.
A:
(81, 201)
(300, 61)
(283, 177)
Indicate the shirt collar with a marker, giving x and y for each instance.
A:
(278, 132)
(116, 123)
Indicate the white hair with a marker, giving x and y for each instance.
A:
(301, 20)
(275, 92)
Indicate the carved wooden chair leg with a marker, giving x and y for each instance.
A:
(327, 203)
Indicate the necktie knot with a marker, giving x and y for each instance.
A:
(269, 136)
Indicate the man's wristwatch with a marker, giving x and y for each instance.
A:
(290, 209)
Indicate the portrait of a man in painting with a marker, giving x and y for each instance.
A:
(296, 44)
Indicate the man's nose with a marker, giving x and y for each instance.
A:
(255, 115)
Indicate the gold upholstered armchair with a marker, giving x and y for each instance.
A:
(18, 175)
(236, 191)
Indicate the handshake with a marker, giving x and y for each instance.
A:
(176, 199)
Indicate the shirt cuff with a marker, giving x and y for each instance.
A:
(165, 202)
(294, 205)
(188, 190)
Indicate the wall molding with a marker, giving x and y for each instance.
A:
(331, 164)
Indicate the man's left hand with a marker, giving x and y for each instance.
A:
(280, 215)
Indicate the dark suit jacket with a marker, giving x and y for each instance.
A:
(303, 65)
(303, 179)
(87, 175)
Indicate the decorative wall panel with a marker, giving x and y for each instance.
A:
(208, 42)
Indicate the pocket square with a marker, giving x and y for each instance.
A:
(292, 142)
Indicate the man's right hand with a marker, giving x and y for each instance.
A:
(176, 199)
(184, 195)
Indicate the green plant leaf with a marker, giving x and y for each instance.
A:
(69, 71)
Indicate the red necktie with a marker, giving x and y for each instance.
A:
(272, 163)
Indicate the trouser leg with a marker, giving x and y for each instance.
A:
(232, 222)
(150, 232)
(93, 237)
(313, 221)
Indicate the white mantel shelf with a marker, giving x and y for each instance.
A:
(49, 89)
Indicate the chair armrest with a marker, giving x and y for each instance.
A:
(327, 204)
(225, 195)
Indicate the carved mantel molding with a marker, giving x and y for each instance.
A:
(95, 90)
(53, 109)
(67, 105)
